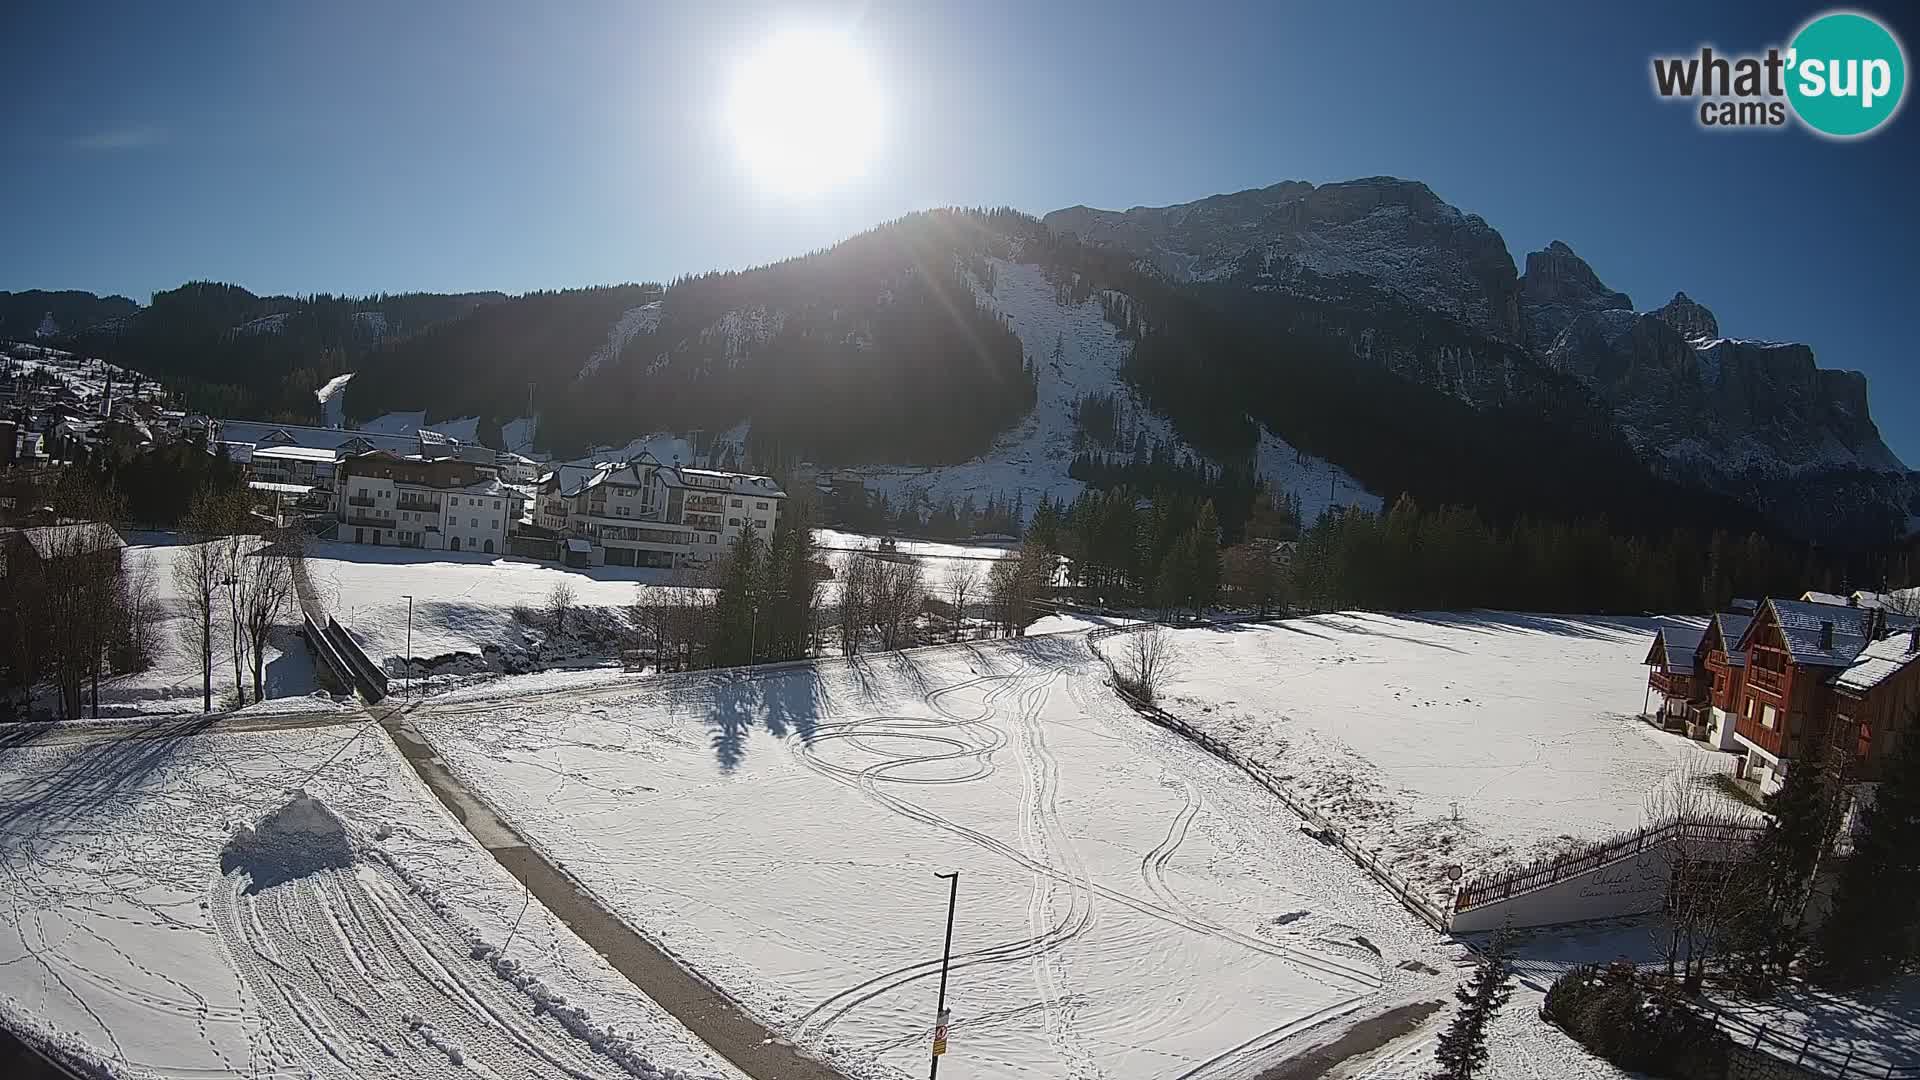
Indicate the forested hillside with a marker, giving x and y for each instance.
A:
(875, 350)
(24, 314)
(231, 353)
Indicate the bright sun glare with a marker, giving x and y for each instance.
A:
(805, 111)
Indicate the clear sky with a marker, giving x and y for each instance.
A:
(358, 148)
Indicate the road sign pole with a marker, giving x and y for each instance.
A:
(946, 960)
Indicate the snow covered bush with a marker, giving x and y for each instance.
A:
(1638, 1021)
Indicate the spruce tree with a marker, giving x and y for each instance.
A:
(1797, 835)
(1870, 933)
(1463, 1046)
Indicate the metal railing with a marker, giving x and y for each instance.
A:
(1837, 1061)
(1552, 871)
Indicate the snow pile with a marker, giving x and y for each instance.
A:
(302, 837)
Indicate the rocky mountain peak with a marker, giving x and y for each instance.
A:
(1558, 288)
(1694, 321)
(1395, 232)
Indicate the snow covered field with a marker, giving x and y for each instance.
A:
(940, 563)
(1128, 906)
(1445, 739)
(462, 602)
(345, 933)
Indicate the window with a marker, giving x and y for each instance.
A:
(1749, 707)
(1768, 717)
(733, 523)
(495, 525)
(736, 502)
(496, 504)
(760, 524)
(473, 523)
(761, 505)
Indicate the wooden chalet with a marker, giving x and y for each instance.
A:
(1797, 654)
(1677, 677)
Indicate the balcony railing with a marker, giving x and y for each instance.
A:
(1670, 684)
(1773, 682)
(369, 519)
(418, 504)
(357, 500)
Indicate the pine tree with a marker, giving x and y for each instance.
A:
(1463, 1046)
(1797, 835)
(736, 608)
(1870, 933)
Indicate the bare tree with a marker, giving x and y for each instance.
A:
(197, 579)
(961, 586)
(560, 601)
(264, 591)
(898, 597)
(139, 609)
(1147, 660)
(1709, 872)
(856, 595)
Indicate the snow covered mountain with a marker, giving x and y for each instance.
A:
(1759, 421)
(1397, 233)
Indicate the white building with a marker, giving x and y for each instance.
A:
(443, 503)
(643, 513)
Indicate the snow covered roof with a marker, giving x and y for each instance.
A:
(714, 480)
(267, 433)
(1674, 647)
(1802, 625)
(1879, 661)
(296, 453)
(280, 489)
(1732, 628)
(1812, 596)
(51, 541)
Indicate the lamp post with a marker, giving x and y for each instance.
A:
(409, 597)
(946, 960)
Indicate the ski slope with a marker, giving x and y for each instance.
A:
(1031, 460)
(1128, 907)
(333, 400)
(285, 899)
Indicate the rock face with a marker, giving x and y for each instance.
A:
(1754, 419)
(1397, 233)
(1558, 288)
(1430, 293)
(1694, 322)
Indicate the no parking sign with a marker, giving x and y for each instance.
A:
(940, 1033)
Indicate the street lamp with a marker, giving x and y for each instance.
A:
(946, 959)
(409, 597)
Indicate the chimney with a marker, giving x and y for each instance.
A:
(1826, 637)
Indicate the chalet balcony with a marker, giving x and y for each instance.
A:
(710, 522)
(426, 505)
(369, 519)
(359, 500)
(709, 503)
(1773, 682)
(1670, 684)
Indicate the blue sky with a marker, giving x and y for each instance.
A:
(384, 147)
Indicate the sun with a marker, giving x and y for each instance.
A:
(805, 111)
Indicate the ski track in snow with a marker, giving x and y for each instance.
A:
(359, 978)
(1061, 913)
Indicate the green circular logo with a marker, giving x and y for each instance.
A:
(1846, 74)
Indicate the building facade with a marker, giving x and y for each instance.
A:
(444, 503)
(644, 513)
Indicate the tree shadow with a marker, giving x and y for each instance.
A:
(97, 773)
(786, 703)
